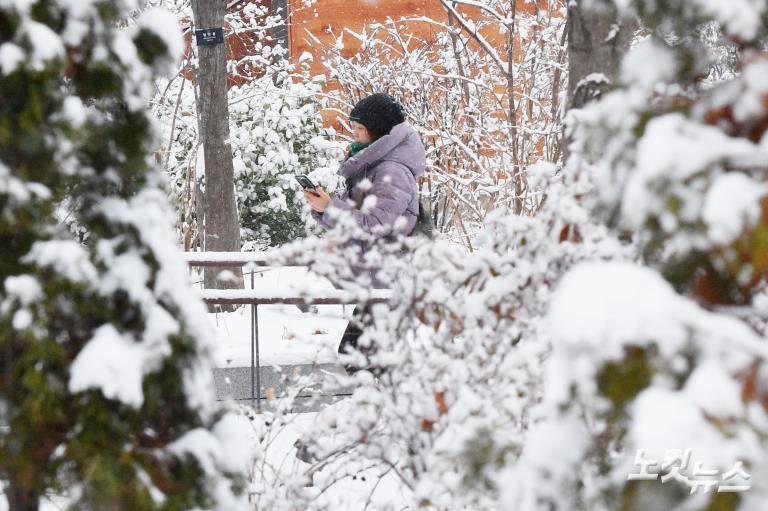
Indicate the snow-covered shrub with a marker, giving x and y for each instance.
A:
(461, 352)
(657, 375)
(106, 392)
(277, 134)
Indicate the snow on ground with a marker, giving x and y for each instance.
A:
(355, 486)
(286, 335)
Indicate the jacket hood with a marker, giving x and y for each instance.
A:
(401, 145)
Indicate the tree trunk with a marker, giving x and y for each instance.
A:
(562, 55)
(280, 33)
(221, 224)
(20, 499)
(518, 176)
(597, 41)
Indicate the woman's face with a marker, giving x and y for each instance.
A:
(360, 133)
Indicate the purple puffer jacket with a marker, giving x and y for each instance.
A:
(390, 165)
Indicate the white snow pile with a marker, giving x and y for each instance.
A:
(27, 291)
(226, 447)
(19, 191)
(112, 363)
(673, 152)
(648, 64)
(11, 55)
(46, 44)
(599, 312)
(600, 309)
(687, 178)
(25, 288)
(65, 257)
(732, 205)
(554, 453)
(166, 26)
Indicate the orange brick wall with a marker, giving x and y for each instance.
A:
(327, 19)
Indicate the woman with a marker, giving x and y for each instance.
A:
(387, 152)
(383, 161)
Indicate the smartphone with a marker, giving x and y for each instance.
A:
(306, 183)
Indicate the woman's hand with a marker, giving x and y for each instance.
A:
(318, 199)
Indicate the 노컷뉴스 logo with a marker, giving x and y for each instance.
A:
(677, 466)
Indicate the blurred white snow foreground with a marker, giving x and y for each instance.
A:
(698, 434)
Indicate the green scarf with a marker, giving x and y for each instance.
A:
(356, 147)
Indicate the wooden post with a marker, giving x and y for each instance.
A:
(221, 223)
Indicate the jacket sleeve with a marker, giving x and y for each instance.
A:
(325, 220)
(392, 188)
(320, 218)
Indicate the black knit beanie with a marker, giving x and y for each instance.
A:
(379, 113)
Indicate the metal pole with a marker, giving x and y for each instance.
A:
(255, 363)
(253, 344)
(258, 362)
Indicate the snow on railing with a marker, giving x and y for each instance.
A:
(325, 297)
(230, 258)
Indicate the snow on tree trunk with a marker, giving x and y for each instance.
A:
(105, 355)
(221, 228)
